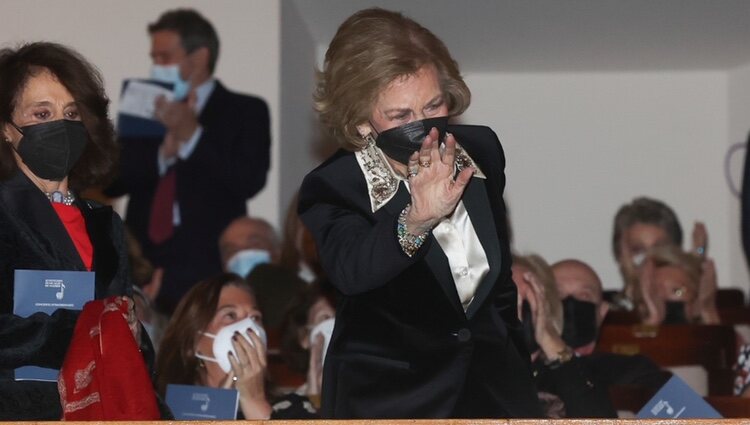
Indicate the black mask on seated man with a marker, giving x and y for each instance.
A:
(675, 313)
(399, 143)
(528, 327)
(579, 322)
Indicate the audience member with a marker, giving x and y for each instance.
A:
(57, 141)
(303, 353)
(187, 357)
(639, 226)
(246, 243)
(583, 303)
(584, 310)
(187, 186)
(567, 386)
(674, 288)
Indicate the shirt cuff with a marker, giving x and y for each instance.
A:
(187, 148)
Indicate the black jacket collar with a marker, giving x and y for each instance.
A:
(37, 218)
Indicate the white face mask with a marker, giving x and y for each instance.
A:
(171, 74)
(223, 341)
(243, 262)
(324, 328)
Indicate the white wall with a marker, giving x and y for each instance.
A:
(298, 141)
(580, 145)
(112, 35)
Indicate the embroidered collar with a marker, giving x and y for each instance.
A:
(383, 181)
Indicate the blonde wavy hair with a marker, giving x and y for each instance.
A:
(371, 49)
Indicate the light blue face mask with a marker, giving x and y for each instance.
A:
(243, 262)
(171, 74)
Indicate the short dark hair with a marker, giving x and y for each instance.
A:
(85, 84)
(646, 211)
(194, 30)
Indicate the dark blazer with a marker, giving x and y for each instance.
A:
(227, 167)
(33, 237)
(402, 346)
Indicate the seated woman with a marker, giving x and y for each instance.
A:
(302, 351)
(57, 141)
(186, 354)
(644, 224)
(676, 288)
(567, 385)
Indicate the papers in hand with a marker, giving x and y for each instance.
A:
(139, 96)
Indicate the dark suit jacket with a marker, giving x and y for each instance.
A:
(227, 167)
(33, 237)
(402, 346)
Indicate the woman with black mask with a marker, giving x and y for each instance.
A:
(57, 141)
(410, 226)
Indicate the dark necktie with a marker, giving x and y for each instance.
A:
(161, 222)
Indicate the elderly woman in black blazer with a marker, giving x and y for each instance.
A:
(57, 141)
(411, 228)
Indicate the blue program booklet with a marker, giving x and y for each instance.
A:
(676, 400)
(191, 402)
(44, 291)
(135, 115)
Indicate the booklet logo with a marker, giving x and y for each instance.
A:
(204, 398)
(57, 284)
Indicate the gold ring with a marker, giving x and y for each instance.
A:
(425, 164)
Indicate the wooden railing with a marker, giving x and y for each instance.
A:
(442, 422)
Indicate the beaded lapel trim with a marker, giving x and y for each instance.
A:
(382, 181)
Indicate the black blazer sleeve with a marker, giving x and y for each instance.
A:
(359, 250)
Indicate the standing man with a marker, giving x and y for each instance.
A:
(186, 187)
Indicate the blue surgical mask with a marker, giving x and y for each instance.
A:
(243, 262)
(171, 74)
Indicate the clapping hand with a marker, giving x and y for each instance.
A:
(180, 120)
(545, 333)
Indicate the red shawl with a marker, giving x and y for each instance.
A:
(104, 376)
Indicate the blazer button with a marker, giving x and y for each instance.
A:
(464, 335)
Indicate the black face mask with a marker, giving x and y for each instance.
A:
(400, 142)
(675, 313)
(51, 149)
(528, 327)
(579, 324)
